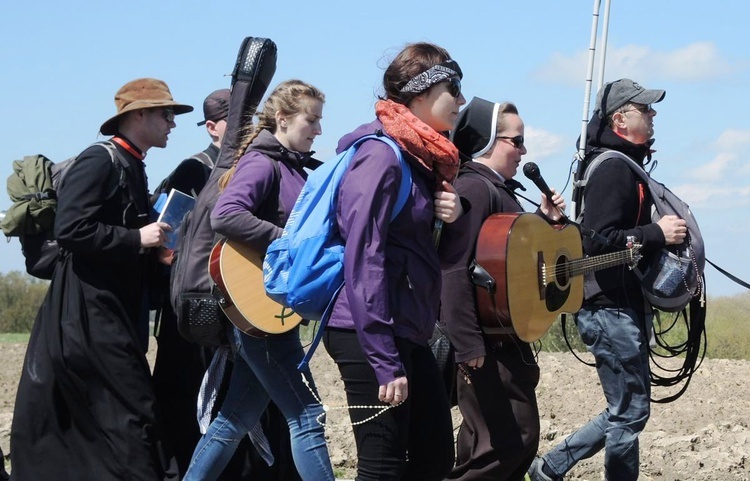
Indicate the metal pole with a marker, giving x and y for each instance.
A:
(589, 79)
(603, 44)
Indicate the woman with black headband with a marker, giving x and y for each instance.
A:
(381, 321)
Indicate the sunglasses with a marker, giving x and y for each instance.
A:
(168, 115)
(644, 109)
(454, 87)
(517, 141)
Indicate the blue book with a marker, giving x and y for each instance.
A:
(173, 212)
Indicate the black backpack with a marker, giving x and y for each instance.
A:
(33, 189)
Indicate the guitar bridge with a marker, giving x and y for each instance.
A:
(541, 269)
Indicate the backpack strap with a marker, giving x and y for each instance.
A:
(596, 162)
(406, 178)
(204, 159)
(403, 195)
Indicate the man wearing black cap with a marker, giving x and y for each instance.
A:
(86, 407)
(191, 175)
(180, 365)
(615, 321)
(499, 434)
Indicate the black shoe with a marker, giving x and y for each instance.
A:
(536, 472)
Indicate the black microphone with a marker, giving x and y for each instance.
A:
(531, 171)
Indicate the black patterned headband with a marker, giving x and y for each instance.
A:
(433, 75)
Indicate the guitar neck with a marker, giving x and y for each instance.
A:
(591, 264)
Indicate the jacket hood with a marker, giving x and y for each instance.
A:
(601, 137)
(268, 145)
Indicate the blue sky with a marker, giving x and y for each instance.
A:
(63, 62)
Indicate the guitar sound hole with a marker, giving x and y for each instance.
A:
(561, 272)
(556, 293)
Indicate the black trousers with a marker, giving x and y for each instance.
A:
(499, 435)
(413, 441)
(3, 473)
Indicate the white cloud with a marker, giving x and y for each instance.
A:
(733, 139)
(714, 170)
(715, 197)
(693, 63)
(724, 181)
(731, 149)
(542, 144)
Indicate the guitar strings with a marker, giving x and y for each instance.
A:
(585, 265)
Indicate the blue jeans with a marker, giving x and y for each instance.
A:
(618, 339)
(265, 369)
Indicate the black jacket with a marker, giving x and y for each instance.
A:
(85, 405)
(458, 311)
(617, 205)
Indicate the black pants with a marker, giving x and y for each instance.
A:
(499, 435)
(3, 474)
(413, 441)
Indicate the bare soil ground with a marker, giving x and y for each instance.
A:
(705, 435)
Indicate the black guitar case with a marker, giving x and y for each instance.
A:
(197, 310)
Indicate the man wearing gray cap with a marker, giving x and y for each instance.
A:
(615, 322)
(85, 406)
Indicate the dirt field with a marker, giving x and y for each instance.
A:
(705, 435)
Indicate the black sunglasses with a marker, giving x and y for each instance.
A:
(454, 87)
(642, 108)
(517, 141)
(168, 114)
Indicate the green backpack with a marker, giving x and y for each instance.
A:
(33, 189)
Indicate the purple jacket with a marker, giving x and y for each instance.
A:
(391, 269)
(247, 211)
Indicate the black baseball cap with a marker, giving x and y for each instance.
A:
(216, 106)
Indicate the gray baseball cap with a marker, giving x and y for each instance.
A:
(620, 92)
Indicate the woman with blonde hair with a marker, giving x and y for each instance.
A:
(386, 313)
(259, 192)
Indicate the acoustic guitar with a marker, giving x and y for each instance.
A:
(237, 270)
(527, 272)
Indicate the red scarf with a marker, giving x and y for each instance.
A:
(431, 148)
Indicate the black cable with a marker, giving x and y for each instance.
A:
(693, 348)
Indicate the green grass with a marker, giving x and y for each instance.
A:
(727, 330)
(14, 337)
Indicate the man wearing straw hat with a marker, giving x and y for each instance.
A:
(85, 405)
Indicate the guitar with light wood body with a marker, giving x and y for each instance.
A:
(527, 272)
(237, 270)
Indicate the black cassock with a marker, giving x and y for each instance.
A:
(85, 407)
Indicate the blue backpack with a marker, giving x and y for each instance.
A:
(304, 268)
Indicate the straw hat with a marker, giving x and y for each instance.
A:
(142, 93)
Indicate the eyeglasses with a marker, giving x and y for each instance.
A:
(168, 115)
(644, 109)
(454, 87)
(517, 141)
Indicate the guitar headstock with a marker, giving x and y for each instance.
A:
(634, 252)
